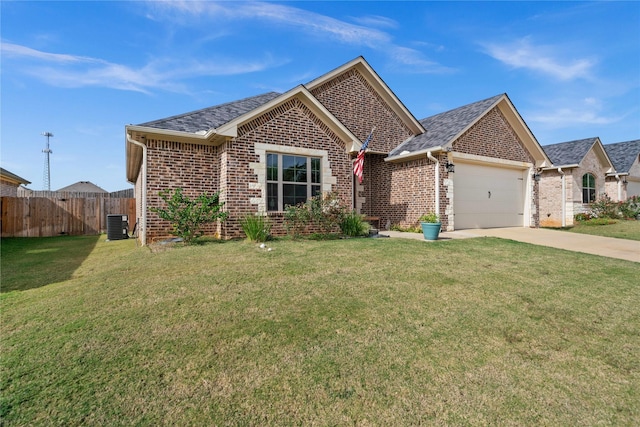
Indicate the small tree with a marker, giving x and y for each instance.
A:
(186, 216)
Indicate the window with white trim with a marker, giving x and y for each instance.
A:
(588, 188)
(291, 180)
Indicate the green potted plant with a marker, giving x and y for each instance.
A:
(431, 224)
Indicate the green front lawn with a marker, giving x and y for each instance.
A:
(621, 229)
(345, 332)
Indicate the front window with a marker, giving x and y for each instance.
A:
(291, 180)
(588, 188)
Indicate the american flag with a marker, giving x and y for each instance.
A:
(358, 166)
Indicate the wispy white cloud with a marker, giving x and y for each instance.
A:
(547, 60)
(376, 21)
(17, 51)
(366, 34)
(72, 71)
(583, 112)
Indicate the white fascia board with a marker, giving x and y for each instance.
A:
(556, 167)
(174, 135)
(414, 154)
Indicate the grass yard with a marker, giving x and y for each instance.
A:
(623, 229)
(389, 332)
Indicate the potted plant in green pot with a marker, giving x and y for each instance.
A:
(431, 224)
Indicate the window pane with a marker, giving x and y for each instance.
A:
(272, 167)
(293, 194)
(315, 171)
(315, 190)
(272, 197)
(588, 181)
(585, 195)
(294, 169)
(592, 195)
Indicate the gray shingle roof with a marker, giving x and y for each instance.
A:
(623, 154)
(211, 117)
(443, 127)
(570, 152)
(83, 187)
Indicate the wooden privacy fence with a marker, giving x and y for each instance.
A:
(44, 216)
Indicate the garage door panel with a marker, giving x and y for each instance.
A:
(487, 196)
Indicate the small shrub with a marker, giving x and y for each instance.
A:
(584, 216)
(296, 219)
(256, 227)
(604, 207)
(354, 225)
(186, 216)
(630, 208)
(326, 212)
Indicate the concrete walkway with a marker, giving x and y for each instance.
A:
(596, 245)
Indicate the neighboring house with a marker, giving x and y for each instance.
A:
(83, 187)
(626, 160)
(9, 183)
(473, 165)
(581, 173)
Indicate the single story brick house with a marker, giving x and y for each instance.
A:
(626, 161)
(581, 172)
(473, 165)
(9, 183)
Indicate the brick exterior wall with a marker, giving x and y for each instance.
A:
(492, 136)
(551, 198)
(194, 168)
(358, 106)
(8, 189)
(400, 192)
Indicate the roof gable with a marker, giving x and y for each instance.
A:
(443, 129)
(623, 154)
(372, 78)
(571, 153)
(215, 136)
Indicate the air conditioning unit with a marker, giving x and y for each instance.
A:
(117, 227)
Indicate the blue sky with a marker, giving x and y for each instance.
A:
(84, 70)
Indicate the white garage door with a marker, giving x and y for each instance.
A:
(486, 196)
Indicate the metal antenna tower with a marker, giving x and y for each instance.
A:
(47, 172)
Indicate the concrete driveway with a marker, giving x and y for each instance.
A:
(596, 245)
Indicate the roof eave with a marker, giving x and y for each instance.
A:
(414, 154)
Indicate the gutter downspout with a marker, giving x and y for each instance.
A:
(437, 181)
(143, 226)
(564, 198)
